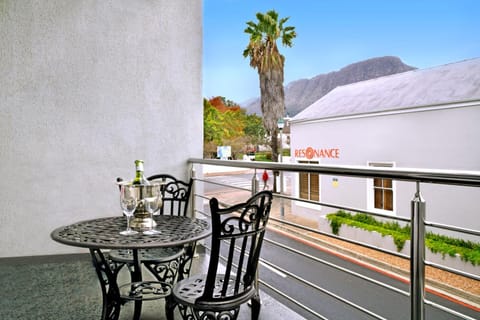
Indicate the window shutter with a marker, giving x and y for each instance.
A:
(304, 185)
(314, 187)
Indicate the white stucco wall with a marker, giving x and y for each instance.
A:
(440, 139)
(87, 87)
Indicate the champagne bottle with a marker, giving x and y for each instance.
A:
(139, 176)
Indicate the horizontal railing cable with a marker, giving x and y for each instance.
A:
(352, 209)
(326, 204)
(452, 228)
(363, 244)
(314, 286)
(305, 282)
(276, 195)
(334, 266)
(451, 270)
(201, 196)
(223, 184)
(335, 206)
(292, 300)
(346, 270)
(448, 177)
(448, 310)
(325, 291)
(381, 284)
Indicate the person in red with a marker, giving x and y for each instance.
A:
(265, 179)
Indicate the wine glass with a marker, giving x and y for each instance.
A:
(128, 202)
(152, 202)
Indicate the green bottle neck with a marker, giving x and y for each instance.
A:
(139, 178)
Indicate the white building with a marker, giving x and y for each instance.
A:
(418, 119)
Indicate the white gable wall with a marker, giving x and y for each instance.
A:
(437, 139)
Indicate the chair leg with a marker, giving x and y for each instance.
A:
(256, 305)
(185, 263)
(107, 276)
(137, 311)
(170, 305)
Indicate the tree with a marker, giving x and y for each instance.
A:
(254, 131)
(225, 123)
(212, 123)
(266, 58)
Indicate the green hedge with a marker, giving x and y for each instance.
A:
(267, 155)
(467, 250)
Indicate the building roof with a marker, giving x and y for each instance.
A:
(451, 83)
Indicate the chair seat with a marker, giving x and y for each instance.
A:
(156, 255)
(189, 290)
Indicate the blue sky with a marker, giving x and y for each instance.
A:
(334, 33)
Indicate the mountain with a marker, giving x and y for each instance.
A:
(302, 93)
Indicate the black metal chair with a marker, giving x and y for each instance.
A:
(166, 264)
(237, 233)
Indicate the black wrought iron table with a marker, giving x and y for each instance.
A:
(103, 233)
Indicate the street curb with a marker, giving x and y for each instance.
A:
(435, 287)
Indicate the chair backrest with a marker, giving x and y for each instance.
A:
(237, 233)
(175, 194)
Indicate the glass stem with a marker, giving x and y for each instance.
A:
(128, 223)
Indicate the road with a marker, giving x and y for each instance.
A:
(384, 302)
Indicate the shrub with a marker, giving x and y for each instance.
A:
(466, 250)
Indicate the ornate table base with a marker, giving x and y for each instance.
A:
(114, 296)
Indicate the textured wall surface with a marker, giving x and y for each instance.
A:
(87, 87)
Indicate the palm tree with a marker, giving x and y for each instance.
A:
(265, 57)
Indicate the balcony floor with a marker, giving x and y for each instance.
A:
(66, 287)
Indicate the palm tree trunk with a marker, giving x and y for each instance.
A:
(274, 145)
(273, 104)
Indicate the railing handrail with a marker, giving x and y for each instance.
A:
(450, 177)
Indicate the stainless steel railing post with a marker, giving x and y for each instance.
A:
(193, 204)
(282, 204)
(255, 187)
(255, 182)
(417, 257)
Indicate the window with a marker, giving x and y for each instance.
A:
(383, 194)
(381, 191)
(309, 184)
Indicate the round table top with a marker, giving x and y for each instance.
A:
(105, 233)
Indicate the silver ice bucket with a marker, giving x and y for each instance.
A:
(141, 218)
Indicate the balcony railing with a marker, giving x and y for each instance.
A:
(417, 221)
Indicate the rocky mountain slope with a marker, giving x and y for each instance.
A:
(302, 93)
